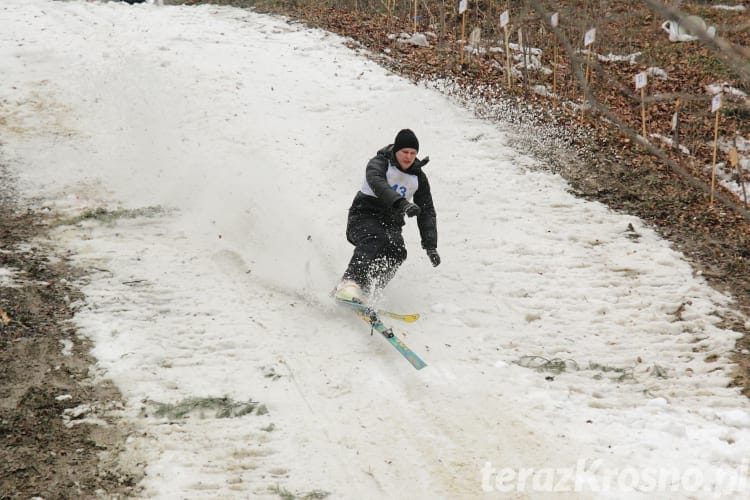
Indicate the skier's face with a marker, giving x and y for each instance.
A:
(406, 157)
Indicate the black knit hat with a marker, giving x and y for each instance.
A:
(405, 139)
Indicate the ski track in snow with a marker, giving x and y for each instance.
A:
(252, 135)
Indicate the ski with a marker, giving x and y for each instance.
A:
(370, 316)
(408, 318)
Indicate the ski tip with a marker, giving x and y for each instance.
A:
(417, 363)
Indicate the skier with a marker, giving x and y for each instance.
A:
(392, 179)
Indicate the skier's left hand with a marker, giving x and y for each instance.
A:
(434, 256)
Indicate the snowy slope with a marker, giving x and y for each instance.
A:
(226, 147)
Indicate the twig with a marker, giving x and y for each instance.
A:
(299, 389)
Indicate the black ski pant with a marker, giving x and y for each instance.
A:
(379, 249)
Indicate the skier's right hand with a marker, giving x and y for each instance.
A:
(404, 207)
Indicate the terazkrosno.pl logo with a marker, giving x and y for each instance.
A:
(592, 476)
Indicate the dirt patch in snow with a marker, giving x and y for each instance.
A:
(58, 434)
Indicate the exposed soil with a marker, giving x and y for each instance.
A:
(47, 393)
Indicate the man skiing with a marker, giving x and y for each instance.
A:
(393, 178)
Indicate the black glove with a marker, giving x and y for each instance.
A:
(434, 257)
(404, 207)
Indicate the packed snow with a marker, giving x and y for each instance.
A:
(199, 163)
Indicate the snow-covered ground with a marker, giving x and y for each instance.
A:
(569, 349)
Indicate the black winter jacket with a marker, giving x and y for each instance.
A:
(382, 205)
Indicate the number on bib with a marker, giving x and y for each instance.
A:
(400, 189)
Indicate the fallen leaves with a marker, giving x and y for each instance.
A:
(4, 317)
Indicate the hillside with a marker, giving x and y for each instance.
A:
(175, 186)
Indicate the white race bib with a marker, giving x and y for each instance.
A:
(401, 182)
